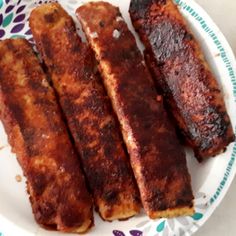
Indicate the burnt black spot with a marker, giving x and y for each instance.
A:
(88, 73)
(29, 135)
(58, 70)
(140, 7)
(10, 46)
(47, 47)
(166, 39)
(162, 206)
(129, 54)
(156, 200)
(1, 75)
(17, 113)
(50, 226)
(39, 182)
(83, 137)
(95, 103)
(111, 196)
(185, 197)
(44, 102)
(75, 42)
(181, 202)
(102, 24)
(88, 153)
(97, 179)
(45, 212)
(123, 169)
(157, 194)
(49, 18)
(109, 150)
(107, 131)
(67, 106)
(188, 36)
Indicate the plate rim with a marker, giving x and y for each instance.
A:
(201, 12)
(186, 5)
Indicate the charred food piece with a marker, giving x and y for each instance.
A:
(157, 159)
(38, 136)
(182, 75)
(88, 111)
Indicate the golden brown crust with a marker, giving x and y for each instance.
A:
(157, 159)
(38, 136)
(183, 76)
(88, 112)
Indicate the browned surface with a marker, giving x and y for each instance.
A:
(88, 111)
(191, 92)
(157, 158)
(38, 136)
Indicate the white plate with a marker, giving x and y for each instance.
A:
(210, 180)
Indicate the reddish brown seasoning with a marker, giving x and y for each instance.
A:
(18, 178)
(182, 75)
(157, 159)
(88, 111)
(38, 136)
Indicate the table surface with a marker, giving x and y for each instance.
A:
(222, 222)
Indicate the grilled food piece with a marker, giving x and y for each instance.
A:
(87, 108)
(183, 76)
(38, 136)
(157, 159)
